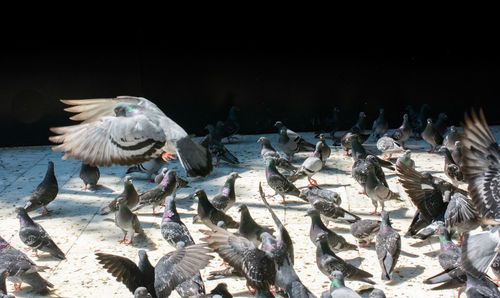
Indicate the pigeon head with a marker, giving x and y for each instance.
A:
(234, 175)
(141, 292)
(303, 193)
(263, 140)
(221, 224)
(453, 129)
(124, 109)
(337, 279)
(268, 241)
(51, 165)
(127, 180)
(180, 245)
(442, 116)
(407, 153)
(199, 193)
(279, 124)
(377, 293)
(405, 117)
(312, 212)
(441, 229)
(122, 201)
(429, 121)
(243, 207)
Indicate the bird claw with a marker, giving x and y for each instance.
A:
(17, 286)
(130, 242)
(375, 213)
(46, 212)
(362, 192)
(167, 157)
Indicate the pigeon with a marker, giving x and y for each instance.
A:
(173, 229)
(336, 242)
(278, 182)
(21, 269)
(328, 262)
(440, 124)
(422, 118)
(295, 137)
(249, 228)
(267, 151)
(157, 195)
(226, 197)
(377, 191)
(324, 150)
(380, 125)
(388, 246)
(348, 137)
(127, 130)
(403, 133)
(328, 210)
(220, 290)
(388, 146)
(3, 288)
(217, 149)
(231, 126)
(240, 253)
(129, 193)
(33, 235)
(377, 293)
(481, 287)
(406, 159)
(431, 136)
(460, 215)
(457, 153)
(412, 116)
(360, 124)
(127, 221)
(44, 193)
(207, 213)
(359, 152)
(495, 267)
(365, 230)
(309, 167)
(326, 194)
(451, 138)
(287, 144)
(150, 168)
(159, 177)
(451, 169)
(429, 230)
(360, 171)
(89, 175)
(338, 288)
(142, 292)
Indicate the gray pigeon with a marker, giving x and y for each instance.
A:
(457, 153)
(220, 290)
(380, 125)
(403, 133)
(226, 197)
(90, 176)
(157, 195)
(365, 230)
(142, 292)
(173, 229)
(431, 136)
(249, 228)
(336, 242)
(208, 214)
(481, 287)
(129, 193)
(377, 293)
(338, 288)
(440, 124)
(44, 193)
(326, 194)
(33, 235)
(3, 288)
(127, 130)
(349, 137)
(324, 150)
(278, 182)
(377, 191)
(406, 159)
(359, 152)
(328, 210)
(451, 138)
(451, 169)
(127, 221)
(309, 167)
(360, 171)
(150, 168)
(21, 269)
(159, 177)
(460, 215)
(328, 262)
(287, 144)
(218, 149)
(388, 246)
(388, 146)
(267, 151)
(295, 137)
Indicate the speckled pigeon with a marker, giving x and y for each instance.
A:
(278, 182)
(44, 193)
(377, 191)
(326, 194)
(336, 242)
(157, 195)
(173, 229)
(226, 197)
(90, 176)
(365, 230)
(328, 210)
(388, 246)
(129, 193)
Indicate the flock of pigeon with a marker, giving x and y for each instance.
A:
(134, 131)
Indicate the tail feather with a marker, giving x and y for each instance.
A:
(133, 169)
(195, 159)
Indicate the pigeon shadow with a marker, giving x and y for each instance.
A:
(402, 274)
(142, 241)
(407, 254)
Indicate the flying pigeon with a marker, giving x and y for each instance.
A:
(127, 221)
(403, 133)
(208, 214)
(267, 151)
(278, 182)
(129, 193)
(127, 130)
(21, 269)
(380, 125)
(226, 197)
(388, 146)
(451, 138)
(89, 175)
(432, 136)
(150, 168)
(44, 193)
(460, 215)
(249, 228)
(33, 235)
(336, 242)
(173, 229)
(157, 195)
(159, 177)
(388, 246)
(338, 288)
(365, 230)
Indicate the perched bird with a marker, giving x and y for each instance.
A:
(89, 175)
(142, 292)
(309, 167)
(451, 169)
(326, 194)
(336, 242)
(129, 193)
(127, 130)
(21, 269)
(338, 288)
(324, 150)
(388, 146)
(150, 168)
(377, 293)
(33, 235)
(406, 159)
(348, 137)
(403, 133)
(172, 228)
(457, 153)
(208, 214)
(287, 144)
(440, 124)
(451, 138)
(360, 124)
(157, 195)
(481, 287)
(328, 262)
(460, 215)
(365, 230)
(377, 191)
(249, 228)
(159, 177)
(431, 136)
(127, 221)
(44, 193)
(267, 151)
(422, 118)
(278, 182)
(331, 123)
(302, 144)
(380, 125)
(216, 148)
(226, 197)
(388, 246)
(359, 152)
(327, 209)
(230, 126)
(3, 288)
(359, 171)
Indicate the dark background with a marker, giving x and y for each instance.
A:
(271, 75)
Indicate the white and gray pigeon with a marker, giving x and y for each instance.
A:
(226, 197)
(338, 288)
(388, 247)
(127, 130)
(90, 176)
(127, 221)
(380, 125)
(159, 177)
(44, 193)
(388, 146)
(309, 168)
(406, 159)
(150, 168)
